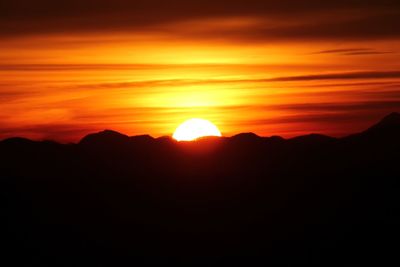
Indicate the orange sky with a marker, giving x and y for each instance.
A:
(65, 82)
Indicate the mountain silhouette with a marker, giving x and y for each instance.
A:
(106, 137)
(245, 200)
(246, 137)
(385, 131)
(389, 125)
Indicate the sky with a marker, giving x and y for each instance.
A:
(69, 68)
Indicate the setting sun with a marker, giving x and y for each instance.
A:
(194, 128)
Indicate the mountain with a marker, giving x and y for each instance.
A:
(312, 140)
(142, 138)
(384, 132)
(246, 137)
(389, 125)
(245, 200)
(104, 137)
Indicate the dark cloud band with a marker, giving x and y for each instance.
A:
(309, 19)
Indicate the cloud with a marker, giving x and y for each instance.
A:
(354, 51)
(6, 95)
(362, 53)
(341, 76)
(283, 19)
(343, 107)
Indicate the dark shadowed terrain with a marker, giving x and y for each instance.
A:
(114, 200)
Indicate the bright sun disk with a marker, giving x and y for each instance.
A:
(194, 128)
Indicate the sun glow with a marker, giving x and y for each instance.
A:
(194, 128)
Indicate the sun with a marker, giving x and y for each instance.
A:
(194, 128)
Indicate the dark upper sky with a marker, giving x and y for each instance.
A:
(284, 19)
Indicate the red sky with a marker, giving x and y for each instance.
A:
(286, 68)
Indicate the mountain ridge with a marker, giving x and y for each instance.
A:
(391, 122)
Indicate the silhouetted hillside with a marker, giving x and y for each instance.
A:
(388, 127)
(391, 121)
(115, 200)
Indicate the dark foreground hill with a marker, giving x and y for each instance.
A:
(114, 200)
